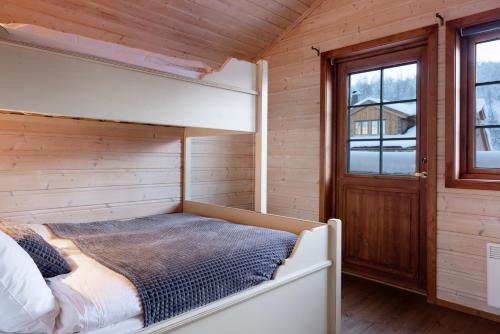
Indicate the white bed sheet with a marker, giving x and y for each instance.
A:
(125, 327)
(92, 297)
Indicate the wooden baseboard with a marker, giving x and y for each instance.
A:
(420, 292)
(468, 310)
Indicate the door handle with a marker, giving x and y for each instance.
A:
(422, 175)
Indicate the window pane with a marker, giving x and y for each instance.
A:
(400, 120)
(488, 105)
(488, 148)
(399, 157)
(361, 119)
(365, 88)
(400, 83)
(488, 61)
(364, 157)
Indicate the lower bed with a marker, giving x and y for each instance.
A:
(158, 267)
(304, 289)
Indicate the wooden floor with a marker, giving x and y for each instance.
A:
(369, 307)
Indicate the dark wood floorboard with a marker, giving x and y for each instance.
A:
(369, 307)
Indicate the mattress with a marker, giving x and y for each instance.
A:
(180, 261)
(92, 297)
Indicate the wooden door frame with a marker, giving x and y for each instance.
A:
(328, 124)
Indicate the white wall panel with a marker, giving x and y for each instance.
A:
(44, 82)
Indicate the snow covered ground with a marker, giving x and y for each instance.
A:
(404, 162)
(393, 162)
(488, 159)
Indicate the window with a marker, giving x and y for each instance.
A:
(357, 128)
(374, 127)
(366, 127)
(473, 145)
(485, 86)
(388, 97)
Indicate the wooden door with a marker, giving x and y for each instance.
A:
(381, 165)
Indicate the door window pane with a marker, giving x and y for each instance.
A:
(364, 88)
(363, 120)
(400, 120)
(488, 61)
(383, 132)
(364, 157)
(398, 157)
(400, 83)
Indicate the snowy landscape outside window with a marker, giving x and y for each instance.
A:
(487, 104)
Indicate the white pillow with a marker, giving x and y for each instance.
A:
(27, 304)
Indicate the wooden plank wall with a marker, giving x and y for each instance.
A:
(65, 170)
(223, 170)
(467, 219)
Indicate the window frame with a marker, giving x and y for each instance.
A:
(460, 171)
(469, 170)
(389, 60)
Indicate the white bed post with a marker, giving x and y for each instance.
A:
(261, 138)
(186, 167)
(334, 276)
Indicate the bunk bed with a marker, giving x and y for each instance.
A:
(304, 292)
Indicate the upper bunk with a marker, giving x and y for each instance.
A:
(61, 83)
(62, 75)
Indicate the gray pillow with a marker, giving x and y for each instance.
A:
(47, 258)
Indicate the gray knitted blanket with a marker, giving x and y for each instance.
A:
(179, 262)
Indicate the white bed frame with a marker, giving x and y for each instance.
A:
(304, 295)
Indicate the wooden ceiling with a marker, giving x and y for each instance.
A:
(206, 30)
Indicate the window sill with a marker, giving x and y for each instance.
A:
(478, 184)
